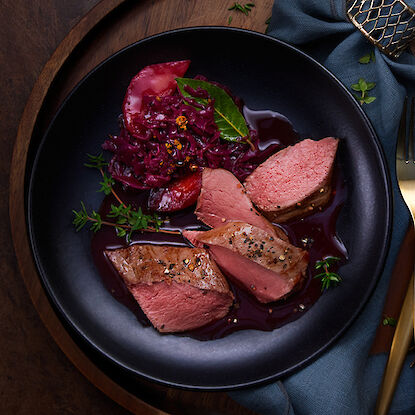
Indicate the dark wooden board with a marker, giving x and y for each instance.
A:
(36, 377)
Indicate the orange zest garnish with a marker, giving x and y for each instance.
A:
(177, 144)
(181, 121)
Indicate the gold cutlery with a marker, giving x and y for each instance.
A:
(405, 170)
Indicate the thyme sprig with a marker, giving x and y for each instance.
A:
(134, 220)
(245, 9)
(328, 278)
(126, 219)
(362, 86)
(98, 162)
(82, 217)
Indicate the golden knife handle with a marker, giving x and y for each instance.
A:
(400, 345)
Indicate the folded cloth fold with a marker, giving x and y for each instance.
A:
(346, 379)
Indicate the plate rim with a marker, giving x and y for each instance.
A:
(78, 332)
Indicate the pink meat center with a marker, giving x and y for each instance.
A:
(179, 307)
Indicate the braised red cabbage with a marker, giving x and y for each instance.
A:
(172, 138)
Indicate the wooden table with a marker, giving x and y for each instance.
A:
(36, 377)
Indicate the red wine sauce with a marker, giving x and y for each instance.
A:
(316, 233)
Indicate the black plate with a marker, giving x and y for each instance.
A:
(267, 74)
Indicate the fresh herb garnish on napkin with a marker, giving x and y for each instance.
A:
(362, 86)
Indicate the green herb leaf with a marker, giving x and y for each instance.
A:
(96, 221)
(106, 184)
(365, 59)
(121, 232)
(243, 9)
(331, 259)
(229, 20)
(81, 217)
(368, 100)
(228, 118)
(96, 162)
(134, 220)
(362, 85)
(370, 57)
(328, 278)
(389, 321)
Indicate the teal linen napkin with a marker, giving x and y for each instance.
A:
(345, 379)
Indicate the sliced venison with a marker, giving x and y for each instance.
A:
(295, 181)
(268, 267)
(177, 288)
(223, 199)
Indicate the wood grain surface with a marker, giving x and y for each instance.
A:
(35, 376)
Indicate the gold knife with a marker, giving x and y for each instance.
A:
(401, 340)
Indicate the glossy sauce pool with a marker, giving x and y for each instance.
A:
(316, 233)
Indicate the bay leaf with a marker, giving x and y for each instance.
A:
(231, 123)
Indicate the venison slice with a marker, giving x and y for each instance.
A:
(268, 267)
(177, 288)
(223, 199)
(295, 181)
